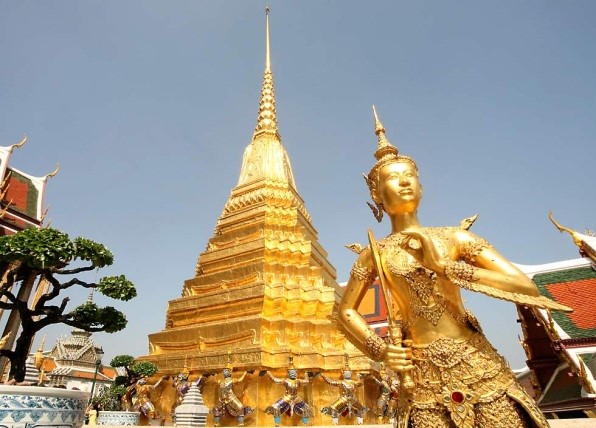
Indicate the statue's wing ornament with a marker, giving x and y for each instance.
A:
(355, 247)
(523, 299)
(466, 223)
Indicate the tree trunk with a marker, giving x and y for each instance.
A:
(18, 361)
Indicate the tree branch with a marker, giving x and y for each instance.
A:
(74, 271)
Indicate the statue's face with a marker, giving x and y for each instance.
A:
(226, 373)
(347, 374)
(399, 188)
(292, 374)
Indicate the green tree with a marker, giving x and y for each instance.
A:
(48, 256)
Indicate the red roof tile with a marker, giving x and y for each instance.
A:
(580, 295)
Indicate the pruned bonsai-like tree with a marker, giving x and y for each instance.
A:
(49, 258)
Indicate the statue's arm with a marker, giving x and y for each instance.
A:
(361, 277)
(240, 379)
(479, 267)
(377, 381)
(491, 268)
(330, 381)
(275, 379)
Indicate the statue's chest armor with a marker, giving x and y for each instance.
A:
(347, 388)
(421, 281)
(426, 299)
(292, 386)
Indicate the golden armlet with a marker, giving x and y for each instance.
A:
(375, 345)
(459, 271)
(363, 273)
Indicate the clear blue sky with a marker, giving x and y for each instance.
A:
(148, 106)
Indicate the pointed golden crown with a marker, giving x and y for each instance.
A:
(386, 153)
(229, 365)
(347, 362)
(185, 373)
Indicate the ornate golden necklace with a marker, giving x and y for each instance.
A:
(422, 281)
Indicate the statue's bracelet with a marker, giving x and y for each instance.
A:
(376, 346)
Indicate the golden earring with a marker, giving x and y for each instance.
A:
(377, 210)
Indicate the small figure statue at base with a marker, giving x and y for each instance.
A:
(138, 397)
(228, 402)
(347, 404)
(384, 410)
(291, 402)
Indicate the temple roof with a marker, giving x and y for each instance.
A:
(21, 194)
(575, 288)
(563, 388)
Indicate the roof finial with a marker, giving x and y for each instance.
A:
(90, 297)
(586, 243)
(19, 144)
(267, 118)
(53, 173)
(42, 344)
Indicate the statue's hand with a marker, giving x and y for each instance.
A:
(398, 358)
(424, 250)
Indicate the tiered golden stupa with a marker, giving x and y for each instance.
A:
(263, 288)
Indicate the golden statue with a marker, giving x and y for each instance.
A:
(138, 397)
(228, 402)
(451, 376)
(388, 386)
(290, 402)
(347, 404)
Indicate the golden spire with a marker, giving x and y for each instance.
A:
(39, 358)
(267, 118)
(267, 48)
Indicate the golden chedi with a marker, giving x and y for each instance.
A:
(451, 375)
(263, 288)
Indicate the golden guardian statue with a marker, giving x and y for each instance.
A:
(290, 402)
(450, 374)
(347, 404)
(228, 402)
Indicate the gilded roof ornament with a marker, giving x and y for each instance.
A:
(586, 243)
(19, 144)
(53, 173)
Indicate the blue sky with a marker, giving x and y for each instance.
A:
(149, 105)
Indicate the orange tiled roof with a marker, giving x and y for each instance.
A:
(574, 287)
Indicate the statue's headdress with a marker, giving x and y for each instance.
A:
(347, 363)
(386, 153)
(184, 373)
(291, 363)
(229, 365)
